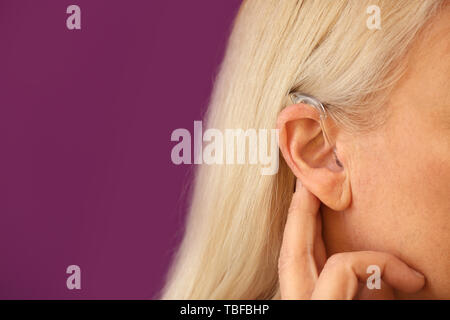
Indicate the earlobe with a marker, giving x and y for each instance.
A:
(311, 158)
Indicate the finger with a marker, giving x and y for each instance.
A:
(342, 272)
(384, 293)
(320, 254)
(296, 267)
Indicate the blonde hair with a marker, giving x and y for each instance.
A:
(323, 48)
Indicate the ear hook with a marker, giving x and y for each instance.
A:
(310, 100)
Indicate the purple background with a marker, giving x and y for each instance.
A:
(85, 121)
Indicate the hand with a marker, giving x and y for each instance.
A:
(306, 273)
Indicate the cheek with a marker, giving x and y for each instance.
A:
(401, 203)
(377, 198)
(401, 178)
(369, 223)
(420, 203)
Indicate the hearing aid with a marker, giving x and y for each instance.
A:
(297, 97)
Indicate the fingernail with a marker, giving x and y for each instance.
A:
(418, 274)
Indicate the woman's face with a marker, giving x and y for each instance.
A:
(400, 172)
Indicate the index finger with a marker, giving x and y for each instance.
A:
(296, 266)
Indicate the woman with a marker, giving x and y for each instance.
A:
(373, 174)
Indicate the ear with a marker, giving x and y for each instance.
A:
(311, 159)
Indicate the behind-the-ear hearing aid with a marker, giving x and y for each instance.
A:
(297, 97)
(310, 100)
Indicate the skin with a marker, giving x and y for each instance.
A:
(389, 203)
